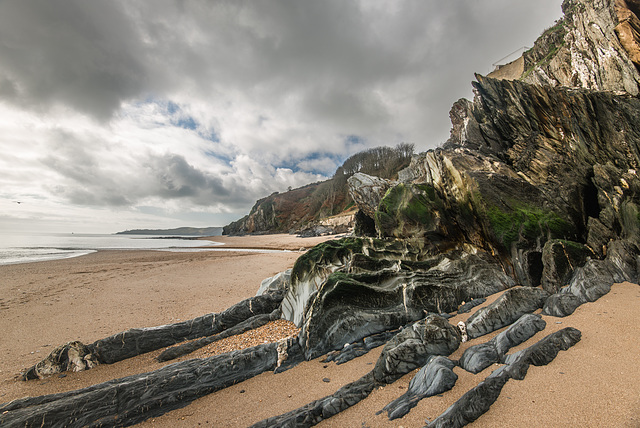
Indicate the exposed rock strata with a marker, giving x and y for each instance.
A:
(477, 401)
(126, 401)
(594, 46)
(413, 346)
(319, 410)
(368, 294)
(510, 306)
(537, 186)
(137, 341)
(435, 377)
(478, 357)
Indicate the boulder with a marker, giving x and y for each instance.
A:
(434, 378)
(478, 357)
(73, 356)
(412, 347)
(278, 282)
(367, 191)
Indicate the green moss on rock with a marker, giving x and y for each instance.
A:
(406, 209)
(527, 223)
(326, 253)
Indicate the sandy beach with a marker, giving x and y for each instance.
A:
(594, 384)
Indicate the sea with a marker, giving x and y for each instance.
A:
(35, 247)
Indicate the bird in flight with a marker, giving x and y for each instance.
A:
(17, 202)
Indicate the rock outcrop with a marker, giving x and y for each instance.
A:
(435, 377)
(77, 356)
(478, 357)
(594, 46)
(478, 400)
(413, 346)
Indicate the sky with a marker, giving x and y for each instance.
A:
(127, 114)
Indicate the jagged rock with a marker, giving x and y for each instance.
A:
(73, 356)
(434, 378)
(466, 307)
(541, 353)
(477, 401)
(472, 404)
(279, 281)
(595, 278)
(513, 303)
(359, 348)
(584, 49)
(132, 399)
(367, 191)
(137, 341)
(560, 259)
(319, 410)
(412, 347)
(478, 357)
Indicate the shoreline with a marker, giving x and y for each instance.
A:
(46, 304)
(54, 252)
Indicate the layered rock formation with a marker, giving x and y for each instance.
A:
(594, 46)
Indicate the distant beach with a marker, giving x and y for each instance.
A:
(36, 247)
(596, 383)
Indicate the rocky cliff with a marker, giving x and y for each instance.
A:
(537, 186)
(307, 207)
(596, 45)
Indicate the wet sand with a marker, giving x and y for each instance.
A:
(42, 305)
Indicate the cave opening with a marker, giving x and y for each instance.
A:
(535, 266)
(590, 204)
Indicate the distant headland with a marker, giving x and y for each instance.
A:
(179, 231)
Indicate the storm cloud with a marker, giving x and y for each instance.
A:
(204, 106)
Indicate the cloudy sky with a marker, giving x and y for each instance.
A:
(152, 114)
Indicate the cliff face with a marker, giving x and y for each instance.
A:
(315, 204)
(595, 46)
(279, 212)
(537, 186)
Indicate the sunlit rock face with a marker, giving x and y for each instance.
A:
(594, 46)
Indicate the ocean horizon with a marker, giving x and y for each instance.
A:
(20, 247)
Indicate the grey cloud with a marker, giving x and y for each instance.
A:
(84, 54)
(320, 71)
(86, 178)
(331, 56)
(176, 178)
